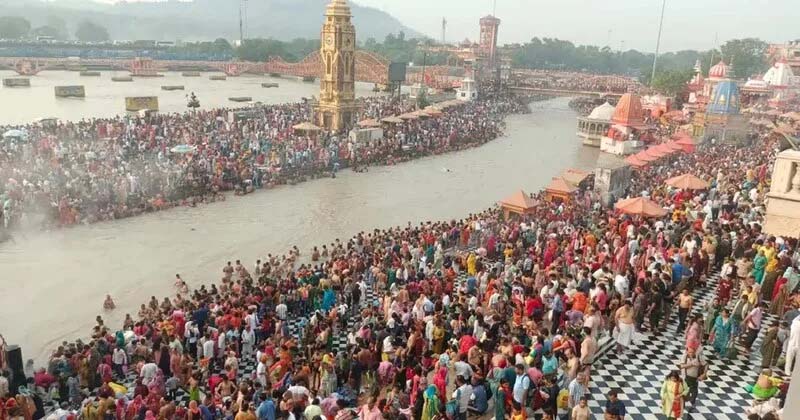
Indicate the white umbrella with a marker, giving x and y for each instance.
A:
(13, 133)
(183, 149)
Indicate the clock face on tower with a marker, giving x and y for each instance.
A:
(329, 40)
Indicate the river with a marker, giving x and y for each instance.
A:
(53, 283)
(105, 98)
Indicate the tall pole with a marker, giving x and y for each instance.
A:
(241, 26)
(658, 41)
(424, 62)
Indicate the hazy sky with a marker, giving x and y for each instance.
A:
(687, 23)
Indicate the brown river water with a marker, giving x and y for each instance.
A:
(52, 284)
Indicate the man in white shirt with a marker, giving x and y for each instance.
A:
(248, 341)
(208, 347)
(148, 372)
(119, 359)
(621, 285)
(521, 385)
(281, 310)
(462, 393)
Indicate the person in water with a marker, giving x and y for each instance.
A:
(109, 303)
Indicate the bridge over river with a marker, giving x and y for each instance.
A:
(370, 68)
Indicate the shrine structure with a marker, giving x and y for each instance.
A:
(593, 127)
(721, 119)
(628, 128)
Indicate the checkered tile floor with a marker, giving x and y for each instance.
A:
(639, 373)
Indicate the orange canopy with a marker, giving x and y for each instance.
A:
(674, 146)
(687, 182)
(575, 176)
(640, 206)
(370, 122)
(633, 160)
(686, 142)
(559, 185)
(664, 147)
(655, 152)
(519, 203)
(645, 157)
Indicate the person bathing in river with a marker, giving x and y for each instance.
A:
(108, 304)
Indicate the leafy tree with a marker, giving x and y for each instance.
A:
(48, 30)
(672, 82)
(55, 21)
(748, 56)
(14, 27)
(221, 45)
(91, 32)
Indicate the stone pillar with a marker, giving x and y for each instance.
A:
(783, 204)
(791, 410)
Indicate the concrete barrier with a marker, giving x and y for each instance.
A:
(70, 91)
(139, 103)
(17, 82)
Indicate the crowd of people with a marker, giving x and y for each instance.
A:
(578, 81)
(484, 317)
(100, 169)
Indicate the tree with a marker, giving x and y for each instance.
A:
(221, 45)
(672, 82)
(48, 30)
(748, 56)
(14, 27)
(91, 32)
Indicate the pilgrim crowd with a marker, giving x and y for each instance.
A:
(100, 169)
(491, 316)
(578, 81)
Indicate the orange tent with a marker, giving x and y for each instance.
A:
(370, 122)
(687, 182)
(519, 203)
(635, 161)
(559, 189)
(645, 157)
(575, 176)
(640, 206)
(655, 152)
(664, 147)
(674, 146)
(686, 142)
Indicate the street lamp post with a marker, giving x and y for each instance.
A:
(658, 41)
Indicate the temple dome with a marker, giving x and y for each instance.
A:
(718, 71)
(629, 111)
(779, 75)
(603, 112)
(725, 99)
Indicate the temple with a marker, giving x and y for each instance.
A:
(628, 129)
(337, 108)
(593, 127)
(723, 119)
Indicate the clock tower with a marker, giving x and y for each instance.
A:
(337, 108)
